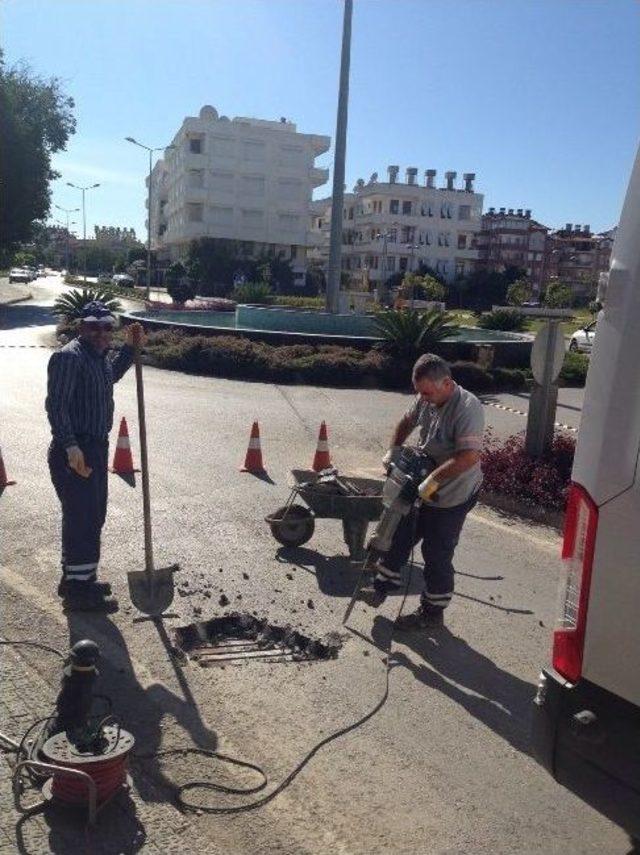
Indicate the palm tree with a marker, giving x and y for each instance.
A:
(408, 333)
(70, 304)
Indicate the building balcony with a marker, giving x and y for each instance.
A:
(195, 194)
(318, 176)
(320, 144)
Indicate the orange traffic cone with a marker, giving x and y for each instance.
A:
(122, 459)
(4, 481)
(322, 459)
(253, 460)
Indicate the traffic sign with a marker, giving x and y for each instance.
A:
(547, 353)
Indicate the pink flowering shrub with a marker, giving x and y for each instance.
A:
(508, 470)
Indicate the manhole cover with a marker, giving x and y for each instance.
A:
(238, 638)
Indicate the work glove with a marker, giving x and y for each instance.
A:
(134, 335)
(76, 460)
(390, 457)
(428, 489)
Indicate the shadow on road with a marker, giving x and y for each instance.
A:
(25, 315)
(143, 710)
(495, 697)
(336, 575)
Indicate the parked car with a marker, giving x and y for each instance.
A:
(19, 274)
(582, 340)
(586, 721)
(123, 280)
(104, 279)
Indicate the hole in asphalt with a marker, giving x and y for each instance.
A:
(237, 638)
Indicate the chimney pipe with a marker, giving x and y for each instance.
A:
(568, 227)
(450, 176)
(519, 212)
(492, 210)
(393, 173)
(527, 213)
(510, 211)
(503, 210)
(586, 229)
(411, 174)
(430, 177)
(469, 178)
(578, 227)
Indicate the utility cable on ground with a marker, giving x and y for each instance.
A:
(183, 802)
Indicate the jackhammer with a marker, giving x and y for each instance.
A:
(399, 497)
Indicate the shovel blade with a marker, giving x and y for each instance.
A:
(152, 591)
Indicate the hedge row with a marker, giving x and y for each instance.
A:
(324, 365)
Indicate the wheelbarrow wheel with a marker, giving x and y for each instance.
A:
(292, 526)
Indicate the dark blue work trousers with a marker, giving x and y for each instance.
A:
(439, 530)
(84, 507)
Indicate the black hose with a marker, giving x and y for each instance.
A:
(233, 809)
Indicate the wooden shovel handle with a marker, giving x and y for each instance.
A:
(146, 501)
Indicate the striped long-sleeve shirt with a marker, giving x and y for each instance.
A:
(80, 391)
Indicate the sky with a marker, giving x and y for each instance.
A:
(540, 98)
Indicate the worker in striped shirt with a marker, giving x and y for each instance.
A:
(79, 405)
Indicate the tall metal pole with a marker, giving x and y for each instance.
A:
(149, 230)
(337, 201)
(84, 236)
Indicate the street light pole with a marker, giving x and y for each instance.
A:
(337, 200)
(67, 211)
(151, 152)
(84, 223)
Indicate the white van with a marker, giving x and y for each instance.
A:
(586, 723)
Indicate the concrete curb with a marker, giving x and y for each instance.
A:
(16, 300)
(516, 508)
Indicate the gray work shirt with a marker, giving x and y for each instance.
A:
(457, 425)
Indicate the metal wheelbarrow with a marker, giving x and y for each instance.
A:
(358, 503)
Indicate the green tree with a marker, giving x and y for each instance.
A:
(22, 258)
(179, 287)
(314, 280)
(37, 121)
(558, 295)
(518, 292)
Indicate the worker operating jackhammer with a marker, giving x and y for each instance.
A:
(451, 423)
(80, 409)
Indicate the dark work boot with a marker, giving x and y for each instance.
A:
(103, 587)
(85, 596)
(422, 618)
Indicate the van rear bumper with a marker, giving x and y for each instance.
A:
(589, 740)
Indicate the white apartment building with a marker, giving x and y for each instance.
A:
(390, 226)
(247, 180)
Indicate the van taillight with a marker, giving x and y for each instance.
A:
(580, 527)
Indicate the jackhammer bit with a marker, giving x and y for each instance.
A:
(366, 566)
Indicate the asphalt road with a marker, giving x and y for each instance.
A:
(445, 765)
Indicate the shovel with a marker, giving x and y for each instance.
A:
(151, 590)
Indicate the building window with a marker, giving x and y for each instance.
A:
(391, 263)
(406, 208)
(252, 185)
(195, 145)
(404, 261)
(462, 241)
(393, 235)
(194, 212)
(464, 212)
(394, 206)
(350, 213)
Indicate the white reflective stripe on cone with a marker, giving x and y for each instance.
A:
(323, 445)
(123, 442)
(254, 442)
